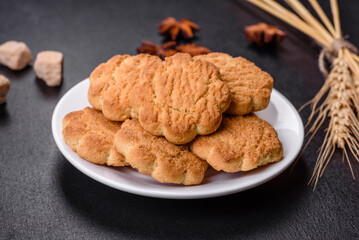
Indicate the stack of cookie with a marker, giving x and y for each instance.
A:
(170, 119)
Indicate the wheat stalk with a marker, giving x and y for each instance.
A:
(338, 99)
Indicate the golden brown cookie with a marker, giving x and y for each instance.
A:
(250, 87)
(91, 135)
(178, 98)
(156, 157)
(241, 143)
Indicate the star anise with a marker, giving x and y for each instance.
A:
(263, 33)
(183, 28)
(193, 49)
(165, 50)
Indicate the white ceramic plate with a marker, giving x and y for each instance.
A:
(280, 114)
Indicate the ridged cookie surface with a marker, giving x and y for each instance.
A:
(178, 98)
(156, 157)
(241, 143)
(91, 135)
(250, 87)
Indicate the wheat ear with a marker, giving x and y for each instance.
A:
(343, 129)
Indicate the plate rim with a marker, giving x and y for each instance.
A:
(170, 195)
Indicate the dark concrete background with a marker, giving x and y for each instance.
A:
(42, 196)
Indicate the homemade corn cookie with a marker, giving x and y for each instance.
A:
(91, 135)
(156, 157)
(250, 87)
(178, 98)
(242, 143)
(117, 86)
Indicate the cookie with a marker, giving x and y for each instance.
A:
(91, 135)
(156, 157)
(117, 86)
(241, 143)
(178, 98)
(250, 87)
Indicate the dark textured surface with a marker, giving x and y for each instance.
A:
(42, 196)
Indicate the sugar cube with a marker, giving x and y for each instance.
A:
(48, 67)
(15, 55)
(4, 88)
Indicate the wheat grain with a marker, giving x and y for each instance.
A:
(356, 84)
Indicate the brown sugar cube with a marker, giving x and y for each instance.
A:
(15, 55)
(48, 67)
(4, 88)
